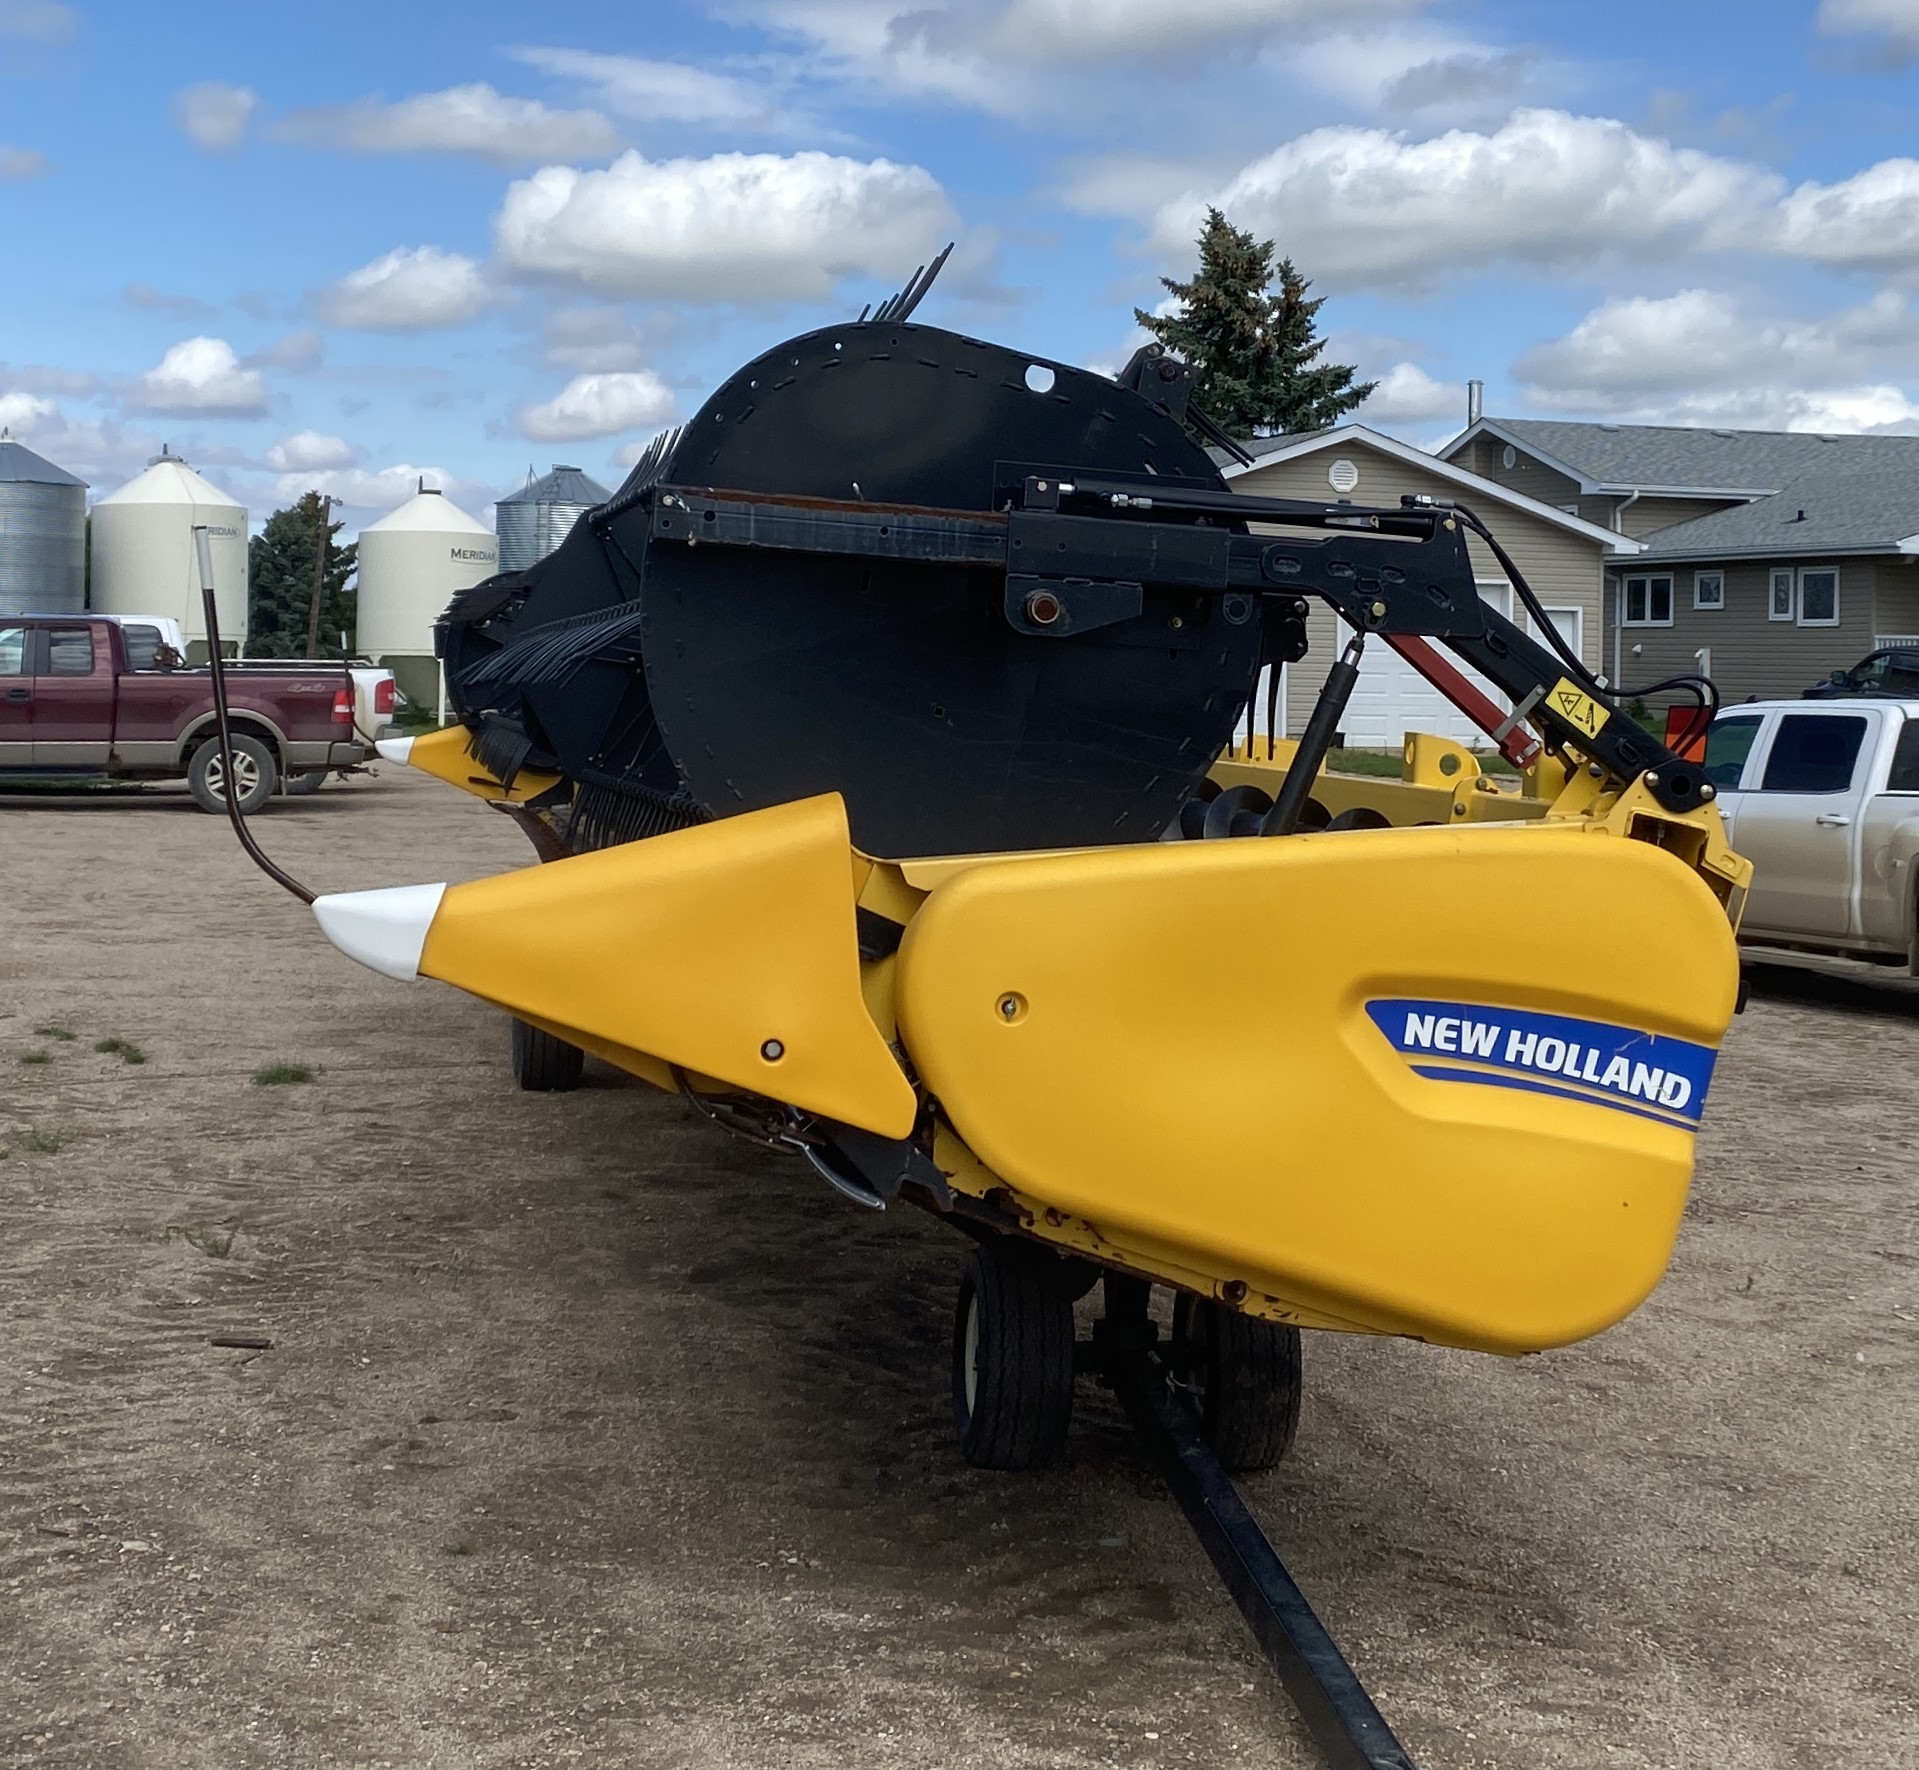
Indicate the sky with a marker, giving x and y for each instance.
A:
(345, 247)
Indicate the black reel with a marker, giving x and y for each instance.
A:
(683, 680)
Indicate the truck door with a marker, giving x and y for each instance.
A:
(1885, 845)
(16, 698)
(1799, 827)
(73, 697)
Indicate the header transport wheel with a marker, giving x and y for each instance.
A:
(1012, 1360)
(1243, 1376)
(543, 1064)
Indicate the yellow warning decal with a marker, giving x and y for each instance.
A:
(1576, 707)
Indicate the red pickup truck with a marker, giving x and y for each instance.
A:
(74, 706)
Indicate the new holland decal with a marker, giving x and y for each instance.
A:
(1656, 1077)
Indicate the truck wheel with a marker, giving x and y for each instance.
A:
(1012, 1362)
(1243, 1375)
(298, 786)
(543, 1064)
(253, 771)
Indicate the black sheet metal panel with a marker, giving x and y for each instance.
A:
(900, 683)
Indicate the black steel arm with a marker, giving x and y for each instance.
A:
(1079, 550)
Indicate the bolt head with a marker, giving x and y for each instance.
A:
(772, 1050)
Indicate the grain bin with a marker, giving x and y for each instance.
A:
(142, 552)
(43, 534)
(538, 517)
(411, 562)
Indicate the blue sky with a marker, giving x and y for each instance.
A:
(344, 246)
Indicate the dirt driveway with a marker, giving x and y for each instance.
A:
(589, 1437)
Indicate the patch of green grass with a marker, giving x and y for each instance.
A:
(125, 1049)
(63, 1033)
(32, 1142)
(276, 1075)
(36, 1056)
(214, 1240)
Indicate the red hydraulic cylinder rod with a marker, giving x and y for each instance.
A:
(1516, 744)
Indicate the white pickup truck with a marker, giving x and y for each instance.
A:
(1823, 798)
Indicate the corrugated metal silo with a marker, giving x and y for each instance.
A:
(43, 534)
(539, 516)
(142, 551)
(411, 562)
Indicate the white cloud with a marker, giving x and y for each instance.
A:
(1868, 221)
(308, 450)
(735, 227)
(659, 91)
(180, 307)
(1048, 59)
(1547, 189)
(471, 119)
(37, 21)
(17, 165)
(371, 492)
(1406, 394)
(601, 405)
(1893, 23)
(299, 351)
(22, 411)
(214, 114)
(1704, 357)
(201, 377)
(410, 289)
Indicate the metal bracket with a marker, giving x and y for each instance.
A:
(1058, 608)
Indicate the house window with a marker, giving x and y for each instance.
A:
(1709, 589)
(1649, 601)
(1780, 608)
(1819, 597)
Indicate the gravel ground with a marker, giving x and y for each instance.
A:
(587, 1436)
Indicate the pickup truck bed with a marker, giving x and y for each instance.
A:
(1822, 797)
(71, 708)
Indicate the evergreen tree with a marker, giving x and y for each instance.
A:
(1252, 350)
(280, 561)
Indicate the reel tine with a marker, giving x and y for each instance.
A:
(900, 307)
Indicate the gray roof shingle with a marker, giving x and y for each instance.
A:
(1856, 493)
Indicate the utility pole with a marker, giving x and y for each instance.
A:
(327, 506)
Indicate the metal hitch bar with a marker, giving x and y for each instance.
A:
(1348, 1729)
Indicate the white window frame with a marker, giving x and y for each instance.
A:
(1780, 578)
(1648, 579)
(1806, 571)
(1699, 582)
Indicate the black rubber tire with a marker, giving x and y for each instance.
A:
(252, 760)
(543, 1064)
(1012, 1360)
(298, 786)
(1245, 1380)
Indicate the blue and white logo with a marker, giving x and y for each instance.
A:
(1657, 1077)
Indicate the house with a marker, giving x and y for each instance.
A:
(1563, 555)
(1770, 559)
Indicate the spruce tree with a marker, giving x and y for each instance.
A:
(280, 563)
(1253, 350)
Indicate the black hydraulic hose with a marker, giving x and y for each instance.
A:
(1701, 688)
(217, 668)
